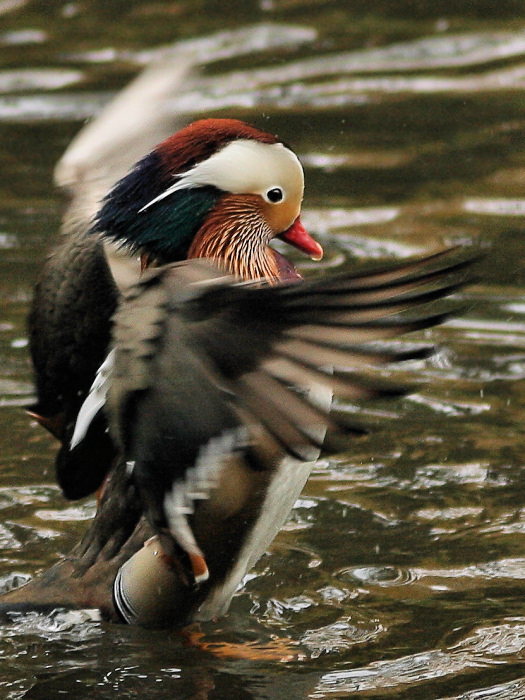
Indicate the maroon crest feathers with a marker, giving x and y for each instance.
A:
(202, 139)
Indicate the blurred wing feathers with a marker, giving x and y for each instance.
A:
(133, 123)
(259, 350)
(207, 370)
(418, 271)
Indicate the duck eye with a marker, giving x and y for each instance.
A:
(275, 195)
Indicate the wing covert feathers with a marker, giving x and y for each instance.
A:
(258, 349)
(200, 358)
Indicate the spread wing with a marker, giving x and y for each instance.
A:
(206, 370)
(131, 125)
(269, 345)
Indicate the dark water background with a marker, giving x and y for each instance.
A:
(401, 572)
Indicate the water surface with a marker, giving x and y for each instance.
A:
(401, 571)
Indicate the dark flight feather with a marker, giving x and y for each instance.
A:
(200, 357)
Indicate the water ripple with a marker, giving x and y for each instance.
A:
(23, 37)
(62, 107)
(488, 330)
(485, 646)
(495, 206)
(515, 690)
(24, 79)
(7, 6)
(71, 625)
(426, 582)
(250, 93)
(26, 495)
(74, 513)
(450, 408)
(378, 575)
(433, 475)
(12, 581)
(451, 51)
(289, 85)
(339, 636)
(215, 47)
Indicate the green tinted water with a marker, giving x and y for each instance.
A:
(401, 571)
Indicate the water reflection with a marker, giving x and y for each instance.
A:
(505, 691)
(484, 647)
(401, 570)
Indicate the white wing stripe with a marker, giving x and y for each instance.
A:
(95, 400)
(199, 482)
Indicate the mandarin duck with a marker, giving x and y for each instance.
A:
(197, 398)
(218, 189)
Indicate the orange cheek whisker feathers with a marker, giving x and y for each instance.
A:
(236, 236)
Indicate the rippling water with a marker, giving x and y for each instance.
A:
(401, 571)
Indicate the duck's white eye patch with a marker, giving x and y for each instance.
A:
(274, 195)
(244, 166)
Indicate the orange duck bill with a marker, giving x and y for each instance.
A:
(299, 238)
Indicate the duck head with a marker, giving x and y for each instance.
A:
(219, 189)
